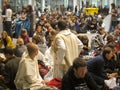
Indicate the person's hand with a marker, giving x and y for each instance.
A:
(112, 75)
(85, 46)
(2, 79)
(115, 57)
(43, 82)
(89, 47)
(92, 25)
(49, 67)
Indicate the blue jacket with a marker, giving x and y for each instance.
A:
(96, 68)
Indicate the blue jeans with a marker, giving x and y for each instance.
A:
(18, 28)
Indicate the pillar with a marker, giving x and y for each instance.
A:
(110, 2)
(31, 2)
(0, 4)
(66, 3)
(49, 7)
(43, 5)
(84, 2)
(74, 4)
(101, 3)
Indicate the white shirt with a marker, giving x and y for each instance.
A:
(8, 15)
(28, 73)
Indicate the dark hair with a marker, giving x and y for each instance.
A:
(62, 24)
(30, 9)
(100, 28)
(36, 38)
(24, 8)
(106, 50)
(8, 6)
(113, 5)
(109, 38)
(37, 27)
(79, 62)
(111, 45)
(8, 50)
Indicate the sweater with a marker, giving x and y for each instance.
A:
(70, 82)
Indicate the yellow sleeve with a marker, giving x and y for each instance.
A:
(9, 42)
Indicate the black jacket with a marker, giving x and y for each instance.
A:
(97, 70)
(70, 82)
(11, 68)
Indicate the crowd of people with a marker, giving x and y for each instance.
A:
(50, 48)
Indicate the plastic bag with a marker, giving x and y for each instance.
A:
(111, 83)
(49, 75)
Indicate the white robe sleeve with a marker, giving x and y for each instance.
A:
(60, 53)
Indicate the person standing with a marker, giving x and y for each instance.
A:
(31, 17)
(6, 2)
(66, 47)
(8, 20)
(76, 10)
(114, 16)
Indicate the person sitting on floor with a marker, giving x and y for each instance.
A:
(77, 77)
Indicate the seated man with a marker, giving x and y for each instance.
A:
(11, 67)
(77, 77)
(28, 74)
(96, 66)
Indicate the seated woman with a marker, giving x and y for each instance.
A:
(96, 66)
(20, 47)
(113, 65)
(6, 41)
(39, 40)
(25, 36)
(93, 25)
(85, 42)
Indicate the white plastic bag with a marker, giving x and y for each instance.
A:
(49, 75)
(111, 83)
